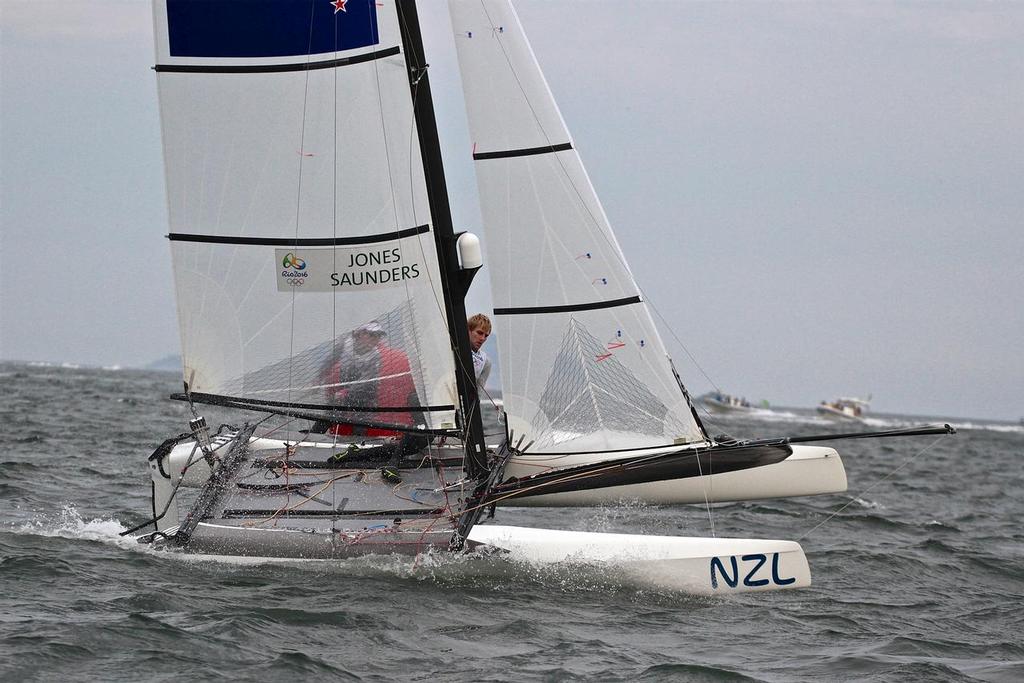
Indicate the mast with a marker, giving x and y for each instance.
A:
(444, 236)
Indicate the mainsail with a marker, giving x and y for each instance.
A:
(583, 366)
(299, 212)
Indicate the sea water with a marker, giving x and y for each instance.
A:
(918, 570)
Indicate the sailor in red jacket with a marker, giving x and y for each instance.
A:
(371, 374)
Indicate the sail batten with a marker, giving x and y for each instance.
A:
(568, 308)
(277, 68)
(531, 151)
(299, 241)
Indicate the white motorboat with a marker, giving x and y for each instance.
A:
(845, 408)
(719, 402)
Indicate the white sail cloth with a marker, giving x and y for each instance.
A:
(297, 204)
(583, 367)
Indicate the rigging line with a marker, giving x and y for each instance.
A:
(287, 507)
(459, 366)
(705, 485)
(870, 488)
(433, 290)
(334, 352)
(412, 200)
(444, 283)
(615, 248)
(678, 340)
(515, 75)
(281, 426)
(298, 198)
(412, 195)
(412, 337)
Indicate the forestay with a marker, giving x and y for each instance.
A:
(583, 367)
(298, 208)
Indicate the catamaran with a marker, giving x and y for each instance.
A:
(320, 287)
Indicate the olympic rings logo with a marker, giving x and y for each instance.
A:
(292, 261)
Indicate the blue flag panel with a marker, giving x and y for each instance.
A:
(269, 28)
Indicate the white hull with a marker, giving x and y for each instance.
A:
(810, 470)
(693, 565)
(706, 566)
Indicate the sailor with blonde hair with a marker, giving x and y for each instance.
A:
(479, 331)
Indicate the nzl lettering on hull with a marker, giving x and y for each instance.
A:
(750, 569)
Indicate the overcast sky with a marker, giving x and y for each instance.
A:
(817, 199)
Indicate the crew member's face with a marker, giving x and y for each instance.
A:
(364, 341)
(477, 337)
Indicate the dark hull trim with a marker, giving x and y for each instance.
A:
(567, 308)
(275, 68)
(640, 470)
(297, 241)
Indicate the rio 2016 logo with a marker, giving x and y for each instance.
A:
(290, 260)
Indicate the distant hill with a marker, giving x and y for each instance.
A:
(170, 363)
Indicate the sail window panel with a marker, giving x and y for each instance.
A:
(361, 174)
(547, 239)
(507, 99)
(231, 152)
(243, 152)
(208, 321)
(244, 337)
(572, 383)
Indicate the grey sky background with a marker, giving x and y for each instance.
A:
(818, 199)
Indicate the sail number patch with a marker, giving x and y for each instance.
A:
(750, 569)
(344, 269)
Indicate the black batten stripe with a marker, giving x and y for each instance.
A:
(274, 68)
(547, 149)
(567, 308)
(220, 399)
(299, 242)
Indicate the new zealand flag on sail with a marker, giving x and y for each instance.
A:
(269, 28)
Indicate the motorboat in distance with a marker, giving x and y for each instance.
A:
(719, 402)
(844, 408)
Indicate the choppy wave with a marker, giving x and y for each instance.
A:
(916, 569)
(68, 523)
